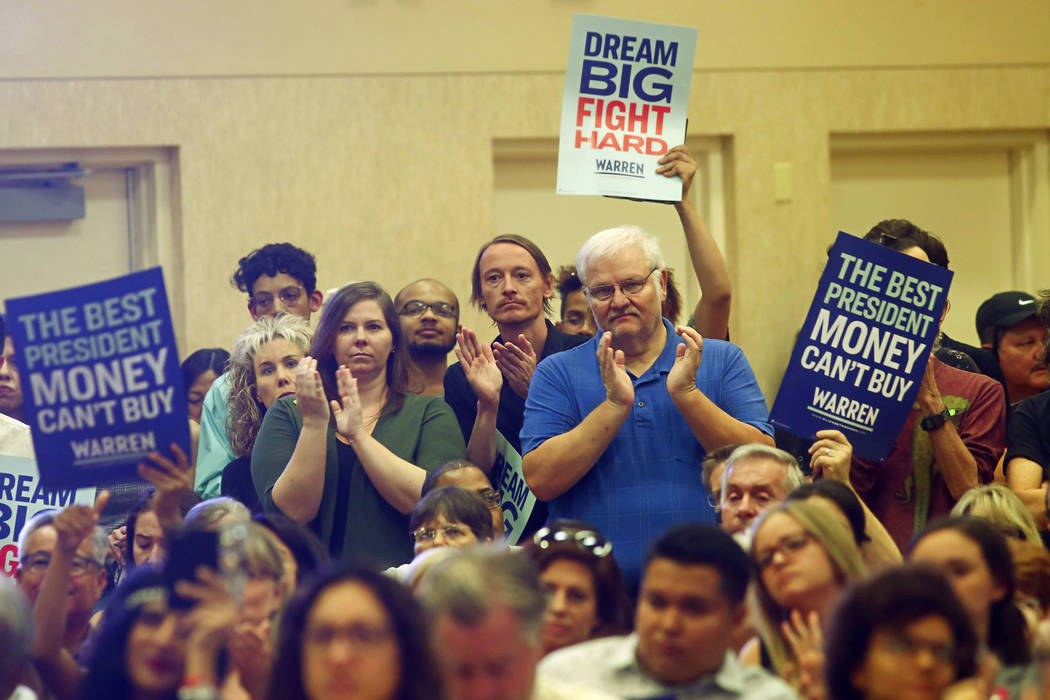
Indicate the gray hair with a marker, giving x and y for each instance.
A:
(99, 540)
(793, 478)
(206, 514)
(612, 241)
(468, 585)
(16, 634)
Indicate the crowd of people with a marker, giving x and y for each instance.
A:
(596, 506)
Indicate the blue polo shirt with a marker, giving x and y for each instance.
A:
(649, 476)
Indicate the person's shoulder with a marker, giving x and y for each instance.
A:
(16, 438)
(565, 341)
(1034, 406)
(967, 384)
(594, 654)
(219, 389)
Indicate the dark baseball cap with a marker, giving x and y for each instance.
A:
(1005, 309)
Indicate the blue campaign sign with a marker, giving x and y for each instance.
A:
(100, 376)
(861, 355)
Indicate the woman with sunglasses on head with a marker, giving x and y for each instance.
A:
(803, 558)
(349, 456)
(588, 598)
(976, 560)
(353, 633)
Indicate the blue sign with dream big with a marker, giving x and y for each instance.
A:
(862, 352)
(100, 377)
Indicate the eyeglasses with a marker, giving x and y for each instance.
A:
(901, 644)
(603, 292)
(788, 546)
(417, 308)
(37, 563)
(493, 498)
(592, 542)
(263, 301)
(714, 499)
(358, 636)
(451, 532)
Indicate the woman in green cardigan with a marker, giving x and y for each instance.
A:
(347, 456)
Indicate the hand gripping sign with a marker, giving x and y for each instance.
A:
(862, 352)
(101, 378)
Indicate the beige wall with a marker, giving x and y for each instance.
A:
(389, 175)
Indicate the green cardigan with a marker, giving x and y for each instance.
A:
(354, 520)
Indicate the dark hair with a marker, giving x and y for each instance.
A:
(419, 676)
(434, 478)
(711, 460)
(672, 304)
(107, 675)
(521, 241)
(843, 497)
(707, 545)
(615, 613)
(145, 502)
(457, 505)
(272, 259)
(566, 283)
(201, 361)
(1006, 624)
(901, 234)
(892, 599)
(307, 550)
(399, 378)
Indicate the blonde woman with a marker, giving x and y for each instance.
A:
(262, 370)
(803, 558)
(1002, 508)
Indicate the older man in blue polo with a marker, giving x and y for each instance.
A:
(615, 429)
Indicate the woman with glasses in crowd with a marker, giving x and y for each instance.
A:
(450, 516)
(350, 454)
(353, 633)
(262, 370)
(900, 634)
(588, 598)
(803, 558)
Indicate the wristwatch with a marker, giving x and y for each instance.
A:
(936, 420)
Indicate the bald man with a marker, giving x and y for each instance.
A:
(429, 313)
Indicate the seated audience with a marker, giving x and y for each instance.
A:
(348, 456)
(215, 513)
(975, 559)
(899, 634)
(691, 599)
(485, 608)
(278, 278)
(1032, 575)
(353, 633)
(301, 552)
(711, 475)
(148, 649)
(1002, 508)
(587, 595)
(16, 634)
(755, 477)
(953, 436)
(262, 370)
(844, 504)
(450, 516)
(461, 473)
(803, 558)
(199, 371)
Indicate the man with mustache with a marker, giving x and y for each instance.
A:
(616, 429)
(513, 283)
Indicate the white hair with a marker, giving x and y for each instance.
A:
(793, 477)
(98, 538)
(612, 241)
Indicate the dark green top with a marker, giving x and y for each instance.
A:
(354, 520)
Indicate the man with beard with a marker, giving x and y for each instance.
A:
(429, 314)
